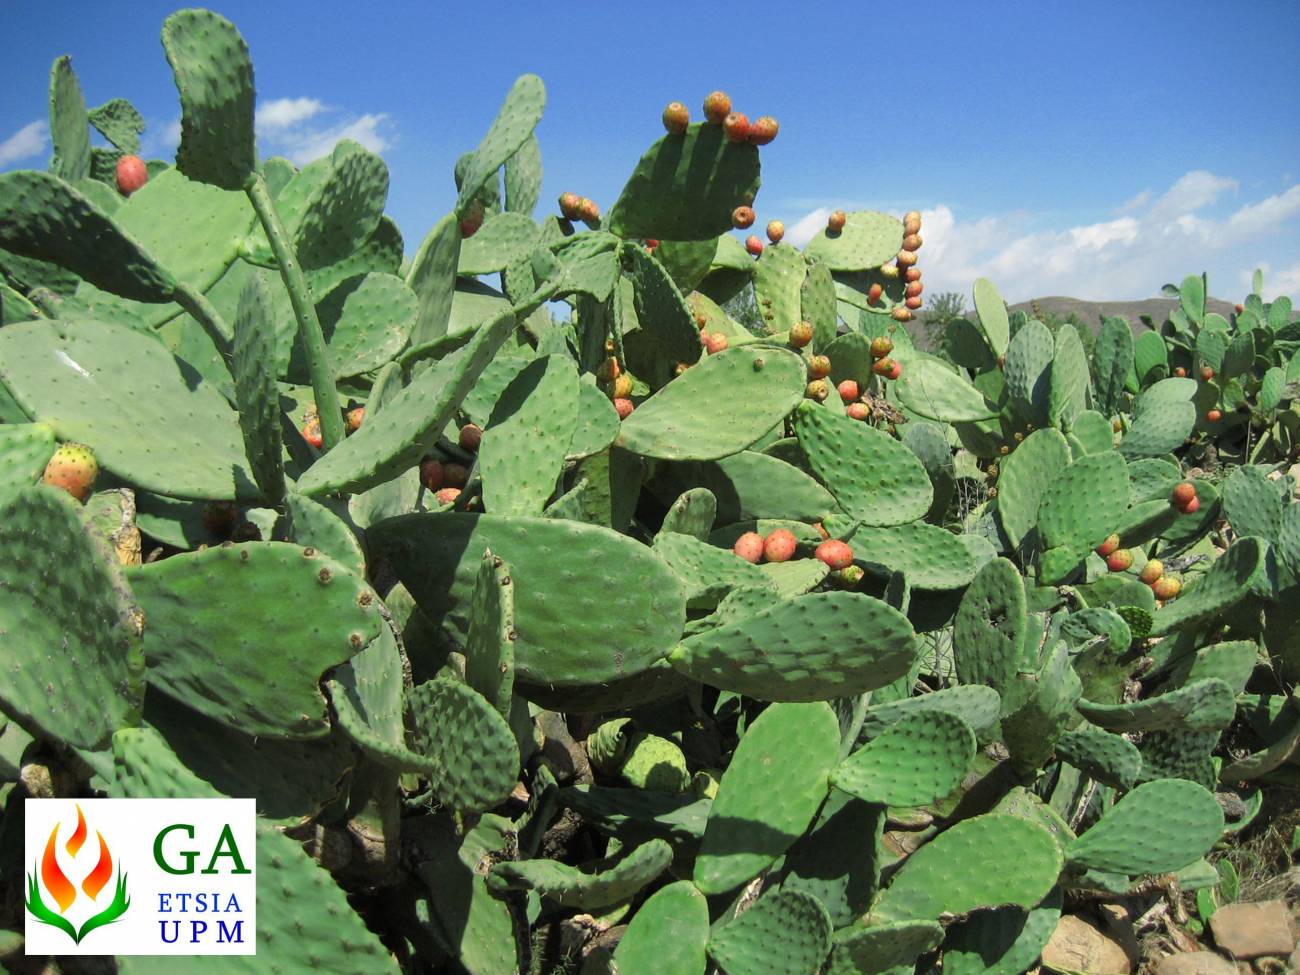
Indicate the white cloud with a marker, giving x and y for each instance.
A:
(282, 113)
(1148, 240)
(807, 227)
(303, 129)
(1285, 281)
(30, 140)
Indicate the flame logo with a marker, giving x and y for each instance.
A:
(64, 892)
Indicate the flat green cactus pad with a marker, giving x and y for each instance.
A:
(786, 932)
(1179, 821)
(667, 935)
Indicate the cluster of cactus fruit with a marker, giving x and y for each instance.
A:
(503, 691)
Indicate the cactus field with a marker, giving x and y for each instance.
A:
(557, 621)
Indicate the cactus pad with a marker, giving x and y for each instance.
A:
(915, 761)
(1179, 821)
(786, 932)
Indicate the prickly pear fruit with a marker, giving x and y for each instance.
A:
(913, 288)
(72, 467)
(848, 390)
(311, 432)
(1239, 308)
(1191, 507)
(1119, 560)
(763, 130)
(913, 273)
(753, 245)
(473, 219)
(819, 366)
(881, 367)
(1183, 494)
(131, 174)
(817, 390)
(736, 127)
(900, 314)
(676, 118)
(849, 576)
(906, 259)
(749, 547)
(874, 293)
(431, 474)
(1152, 571)
(913, 302)
(835, 222)
(1214, 416)
(571, 206)
(775, 231)
(836, 554)
(471, 435)
(1206, 374)
(912, 242)
(623, 407)
(588, 212)
(1109, 545)
(622, 387)
(447, 495)
(717, 107)
(742, 218)
(1180, 372)
(857, 411)
(1167, 587)
(454, 475)
(895, 369)
(779, 546)
(609, 369)
(912, 222)
(801, 333)
(714, 342)
(355, 416)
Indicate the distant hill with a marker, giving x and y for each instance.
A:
(1092, 312)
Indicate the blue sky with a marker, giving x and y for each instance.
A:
(1095, 149)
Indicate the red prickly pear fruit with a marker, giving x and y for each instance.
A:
(895, 369)
(736, 127)
(622, 387)
(817, 390)
(835, 222)
(801, 333)
(1111, 544)
(472, 220)
(588, 212)
(72, 467)
(912, 222)
(717, 107)
(1207, 373)
(742, 218)
(749, 547)
(311, 432)
(874, 293)
(881, 367)
(1214, 416)
(913, 288)
(819, 366)
(650, 245)
(714, 342)
(1180, 372)
(753, 245)
(775, 231)
(471, 435)
(354, 418)
(857, 411)
(1239, 308)
(1183, 494)
(131, 174)
(913, 273)
(912, 242)
(623, 407)
(914, 302)
(447, 495)
(431, 475)
(1119, 560)
(454, 475)
(763, 130)
(1191, 507)
(219, 518)
(836, 554)
(676, 118)
(900, 314)
(571, 206)
(1152, 571)
(848, 390)
(779, 546)
(906, 259)
(1167, 587)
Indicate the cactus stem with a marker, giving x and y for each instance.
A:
(197, 304)
(313, 340)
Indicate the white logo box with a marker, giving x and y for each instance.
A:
(207, 906)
